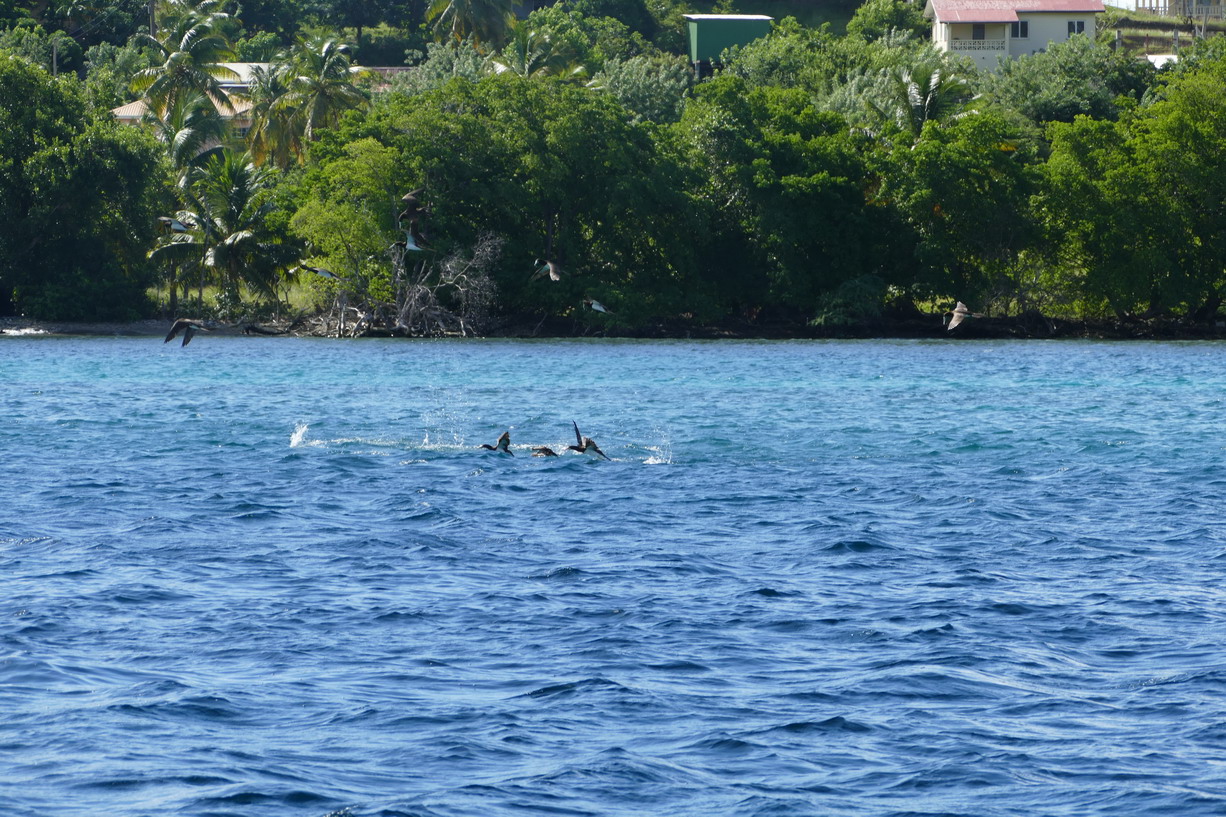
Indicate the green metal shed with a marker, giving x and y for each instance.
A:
(710, 34)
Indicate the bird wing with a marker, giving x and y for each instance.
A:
(578, 436)
(413, 194)
(188, 332)
(955, 320)
(588, 442)
(174, 330)
(599, 307)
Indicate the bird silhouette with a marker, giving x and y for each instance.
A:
(188, 327)
(957, 315)
(549, 268)
(583, 444)
(503, 445)
(320, 271)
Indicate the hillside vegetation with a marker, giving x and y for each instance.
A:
(827, 178)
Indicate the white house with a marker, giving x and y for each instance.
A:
(987, 30)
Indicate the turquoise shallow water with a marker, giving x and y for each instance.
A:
(261, 577)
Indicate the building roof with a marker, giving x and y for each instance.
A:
(728, 17)
(133, 110)
(137, 109)
(1004, 11)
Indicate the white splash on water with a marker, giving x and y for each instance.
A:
(299, 435)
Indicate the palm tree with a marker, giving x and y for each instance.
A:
(273, 137)
(485, 21)
(235, 197)
(226, 230)
(192, 131)
(531, 54)
(913, 98)
(319, 85)
(192, 47)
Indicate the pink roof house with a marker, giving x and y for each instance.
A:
(987, 30)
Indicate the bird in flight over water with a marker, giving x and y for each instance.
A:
(188, 327)
(503, 446)
(959, 314)
(584, 444)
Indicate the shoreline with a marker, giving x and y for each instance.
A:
(1016, 328)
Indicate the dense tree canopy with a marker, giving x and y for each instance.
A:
(816, 177)
(78, 197)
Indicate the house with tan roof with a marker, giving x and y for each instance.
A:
(987, 30)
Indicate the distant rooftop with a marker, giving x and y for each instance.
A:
(1005, 11)
(728, 17)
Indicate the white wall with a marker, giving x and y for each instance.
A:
(1044, 29)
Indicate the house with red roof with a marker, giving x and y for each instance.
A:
(987, 30)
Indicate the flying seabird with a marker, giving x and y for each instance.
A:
(544, 451)
(188, 327)
(596, 306)
(959, 314)
(584, 444)
(172, 224)
(413, 208)
(320, 271)
(549, 268)
(503, 446)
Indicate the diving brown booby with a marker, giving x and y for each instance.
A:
(503, 446)
(188, 327)
(584, 445)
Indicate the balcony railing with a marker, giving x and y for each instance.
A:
(978, 45)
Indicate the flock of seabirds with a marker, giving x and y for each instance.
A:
(410, 221)
(584, 445)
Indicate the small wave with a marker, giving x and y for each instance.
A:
(855, 546)
(23, 333)
(576, 687)
(834, 724)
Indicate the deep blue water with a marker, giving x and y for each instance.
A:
(277, 578)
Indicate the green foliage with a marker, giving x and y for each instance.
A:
(586, 40)
(108, 74)
(229, 235)
(787, 192)
(876, 18)
(1076, 77)
(964, 189)
(53, 50)
(653, 88)
(485, 22)
(263, 46)
(441, 63)
(78, 197)
(1141, 203)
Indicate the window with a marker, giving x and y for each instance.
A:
(1076, 27)
(977, 31)
(1020, 30)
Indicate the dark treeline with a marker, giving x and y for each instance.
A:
(816, 180)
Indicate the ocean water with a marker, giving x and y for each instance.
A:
(278, 578)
